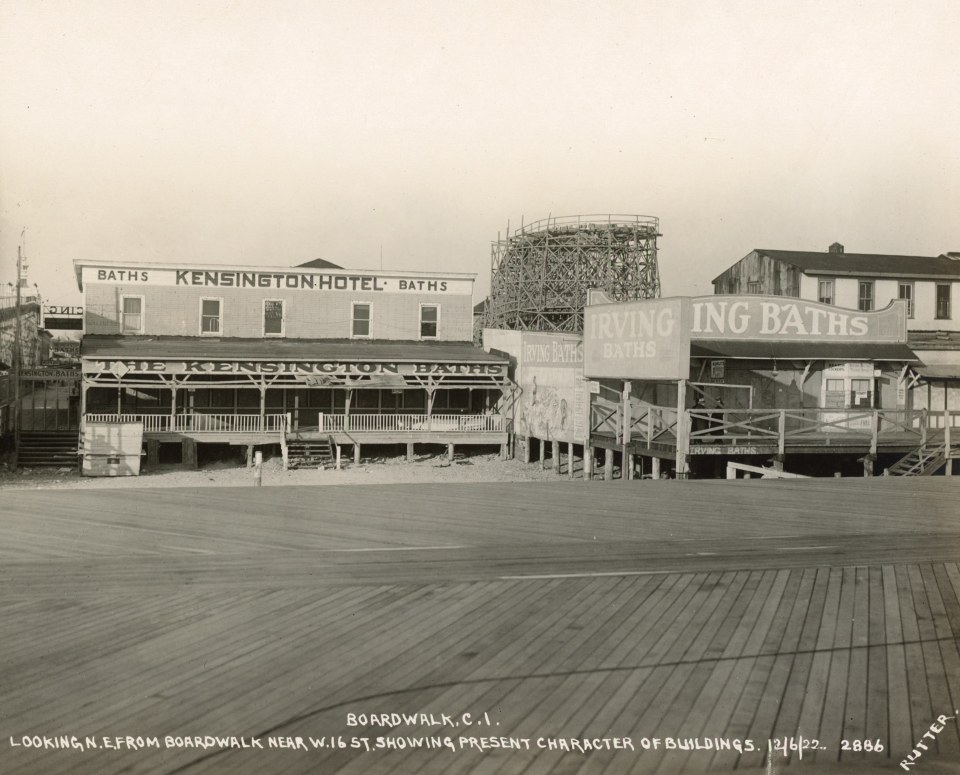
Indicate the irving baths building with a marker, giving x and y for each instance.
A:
(263, 355)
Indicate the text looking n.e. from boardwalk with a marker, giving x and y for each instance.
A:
(650, 339)
(281, 279)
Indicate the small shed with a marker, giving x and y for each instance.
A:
(112, 448)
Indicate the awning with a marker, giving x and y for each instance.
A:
(939, 371)
(801, 351)
(228, 348)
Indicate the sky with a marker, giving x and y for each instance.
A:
(409, 133)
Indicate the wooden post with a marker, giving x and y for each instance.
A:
(296, 410)
(263, 408)
(874, 434)
(450, 452)
(608, 465)
(555, 454)
(153, 453)
(683, 431)
(782, 432)
(409, 451)
(249, 455)
(258, 469)
(569, 460)
(505, 450)
(626, 459)
(588, 453)
(543, 456)
(189, 453)
(526, 449)
(338, 457)
(356, 454)
(655, 467)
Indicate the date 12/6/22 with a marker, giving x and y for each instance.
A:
(789, 746)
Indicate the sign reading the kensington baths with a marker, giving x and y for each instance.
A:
(279, 279)
(124, 366)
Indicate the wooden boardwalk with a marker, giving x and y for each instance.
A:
(725, 612)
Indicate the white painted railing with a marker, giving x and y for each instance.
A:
(199, 423)
(399, 423)
(329, 423)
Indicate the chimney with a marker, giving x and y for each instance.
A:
(836, 247)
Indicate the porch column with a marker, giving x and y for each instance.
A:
(346, 412)
(296, 411)
(654, 468)
(173, 406)
(431, 394)
(263, 405)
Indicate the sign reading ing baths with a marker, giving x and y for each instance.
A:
(650, 339)
(778, 317)
(279, 279)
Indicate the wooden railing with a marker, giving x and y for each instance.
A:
(199, 423)
(399, 423)
(797, 427)
(648, 425)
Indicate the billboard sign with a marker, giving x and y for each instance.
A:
(783, 318)
(645, 339)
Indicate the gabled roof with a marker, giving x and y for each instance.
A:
(319, 263)
(867, 264)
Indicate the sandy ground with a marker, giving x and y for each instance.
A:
(378, 470)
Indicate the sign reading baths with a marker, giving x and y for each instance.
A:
(276, 279)
(122, 367)
(765, 317)
(650, 339)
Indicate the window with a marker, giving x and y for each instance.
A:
(825, 291)
(861, 395)
(943, 301)
(429, 320)
(834, 395)
(131, 318)
(273, 317)
(905, 292)
(361, 320)
(753, 286)
(865, 296)
(210, 316)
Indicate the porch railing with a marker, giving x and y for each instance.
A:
(327, 423)
(199, 423)
(381, 423)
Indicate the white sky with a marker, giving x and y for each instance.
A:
(273, 131)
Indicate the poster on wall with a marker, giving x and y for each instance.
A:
(554, 400)
(551, 380)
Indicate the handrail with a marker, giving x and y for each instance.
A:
(573, 222)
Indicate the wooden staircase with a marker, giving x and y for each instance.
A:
(48, 449)
(923, 461)
(309, 453)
